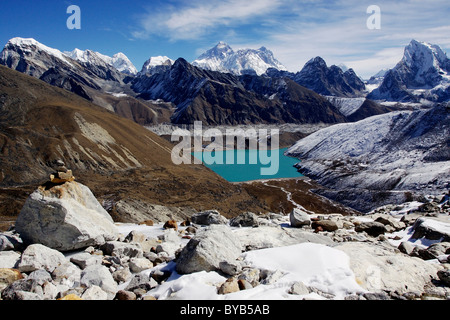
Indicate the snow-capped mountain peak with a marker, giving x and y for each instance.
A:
(224, 59)
(119, 61)
(30, 46)
(423, 73)
(156, 64)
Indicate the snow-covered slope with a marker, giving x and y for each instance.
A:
(119, 61)
(401, 151)
(422, 74)
(224, 59)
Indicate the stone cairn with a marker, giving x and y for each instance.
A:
(61, 174)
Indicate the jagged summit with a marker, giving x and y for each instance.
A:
(224, 59)
(422, 74)
(119, 61)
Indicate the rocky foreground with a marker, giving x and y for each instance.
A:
(65, 246)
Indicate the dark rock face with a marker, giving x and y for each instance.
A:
(219, 98)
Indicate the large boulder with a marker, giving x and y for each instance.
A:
(208, 249)
(299, 218)
(65, 217)
(382, 269)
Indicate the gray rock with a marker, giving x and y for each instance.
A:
(406, 247)
(299, 288)
(208, 249)
(247, 219)
(84, 259)
(230, 268)
(299, 218)
(207, 218)
(10, 241)
(423, 228)
(65, 217)
(99, 275)
(141, 283)
(122, 249)
(372, 228)
(444, 276)
(40, 276)
(37, 257)
(326, 225)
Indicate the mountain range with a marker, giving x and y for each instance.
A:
(224, 59)
(224, 86)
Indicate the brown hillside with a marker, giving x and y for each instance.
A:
(117, 158)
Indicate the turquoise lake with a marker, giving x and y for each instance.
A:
(250, 165)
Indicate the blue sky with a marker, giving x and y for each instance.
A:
(294, 30)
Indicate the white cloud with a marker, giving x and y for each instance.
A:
(199, 17)
(297, 31)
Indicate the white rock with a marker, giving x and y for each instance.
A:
(378, 268)
(67, 274)
(99, 275)
(299, 218)
(8, 259)
(65, 217)
(94, 293)
(37, 256)
(140, 264)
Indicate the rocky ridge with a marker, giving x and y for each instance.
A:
(395, 252)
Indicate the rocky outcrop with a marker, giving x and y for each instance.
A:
(65, 217)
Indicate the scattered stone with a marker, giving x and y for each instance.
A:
(207, 218)
(444, 276)
(99, 275)
(140, 264)
(247, 219)
(171, 224)
(65, 217)
(299, 288)
(325, 225)
(229, 286)
(37, 257)
(9, 259)
(67, 274)
(244, 284)
(94, 293)
(426, 228)
(122, 275)
(70, 297)
(372, 228)
(407, 248)
(8, 276)
(141, 283)
(84, 259)
(122, 249)
(160, 275)
(124, 295)
(10, 241)
(230, 268)
(299, 218)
